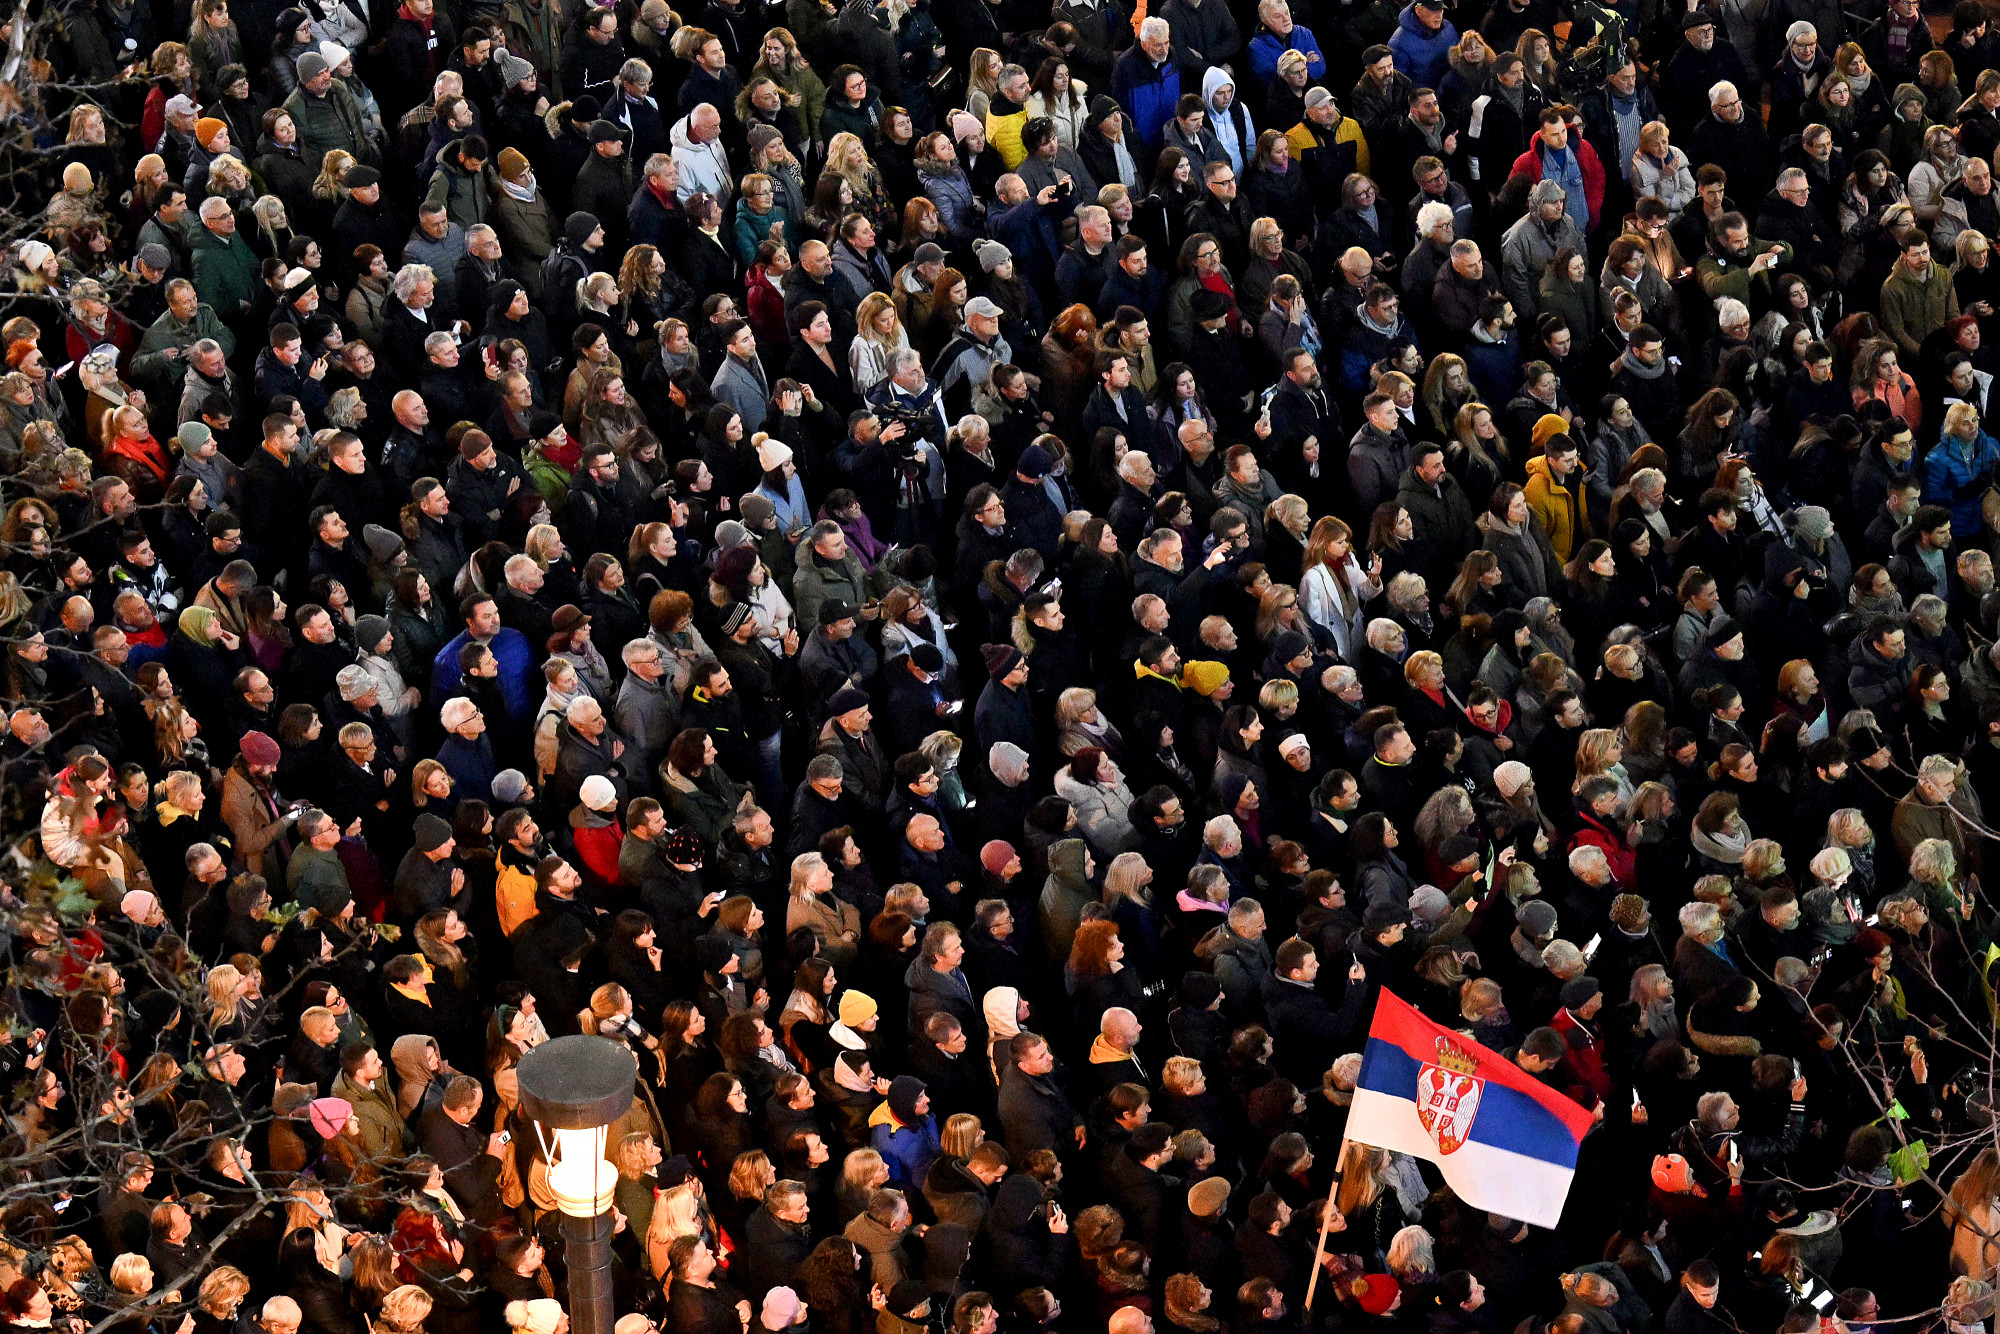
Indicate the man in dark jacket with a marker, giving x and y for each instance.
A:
(1732, 138)
(777, 1239)
(1034, 1113)
(419, 44)
(1788, 215)
(1004, 712)
(1440, 515)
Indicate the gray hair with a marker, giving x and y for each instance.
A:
(1587, 857)
(1406, 587)
(1560, 953)
(409, 276)
(221, 206)
(1220, 829)
(635, 70)
(439, 340)
(1432, 215)
(1937, 767)
(1719, 90)
(1701, 919)
(1154, 27)
(1729, 311)
(343, 408)
(903, 358)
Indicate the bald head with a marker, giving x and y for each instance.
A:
(1130, 1320)
(1120, 1028)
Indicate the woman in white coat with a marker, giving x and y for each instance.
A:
(1658, 168)
(1096, 791)
(1334, 590)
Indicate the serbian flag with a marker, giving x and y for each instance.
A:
(1503, 1141)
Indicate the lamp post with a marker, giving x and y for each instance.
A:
(577, 1086)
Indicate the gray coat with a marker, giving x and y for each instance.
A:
(1525, 252)
(813, 584)
(738, 386)
(1528, 565)
(527, 235)
(647, 715)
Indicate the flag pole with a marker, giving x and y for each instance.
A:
(1325, 1225)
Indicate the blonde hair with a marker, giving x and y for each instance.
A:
(132, 1273)
(962, 1133)
(628, 1155)
(803, 867)
(544, 544)
(1592, 750)
(225, 988)
(406, 1308)
(1830, 865)
(223, 1286)
(677, 1215)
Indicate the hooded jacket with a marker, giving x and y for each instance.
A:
(907, 1142)
(1023, 1246)
(1559, 507)
(1232, 126)
(1064, 893)
(704, 167)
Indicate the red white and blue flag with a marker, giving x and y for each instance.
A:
(1503, 1141)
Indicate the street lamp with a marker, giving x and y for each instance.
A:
(576, 1087)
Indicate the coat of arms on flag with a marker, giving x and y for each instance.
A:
(1448, 1095)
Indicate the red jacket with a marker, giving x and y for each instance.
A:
(1529, 164)
(597, 848)
(1583, 1064)
(119, 332)
(1624, 861)
(764, 306)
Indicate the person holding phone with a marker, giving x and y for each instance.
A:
(284, 369)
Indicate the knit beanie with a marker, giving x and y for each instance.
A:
(856, 1007)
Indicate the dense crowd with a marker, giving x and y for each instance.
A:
(972, 580)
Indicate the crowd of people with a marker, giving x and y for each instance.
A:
(972, 581)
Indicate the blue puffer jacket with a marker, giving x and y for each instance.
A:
(1147, 94)
(956, 206)
(907, 1149)
(1419, 52)
(1953, 467)
(1267, 46)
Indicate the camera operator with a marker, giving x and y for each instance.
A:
(908, 423)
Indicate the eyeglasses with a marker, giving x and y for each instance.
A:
(1209, 253)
